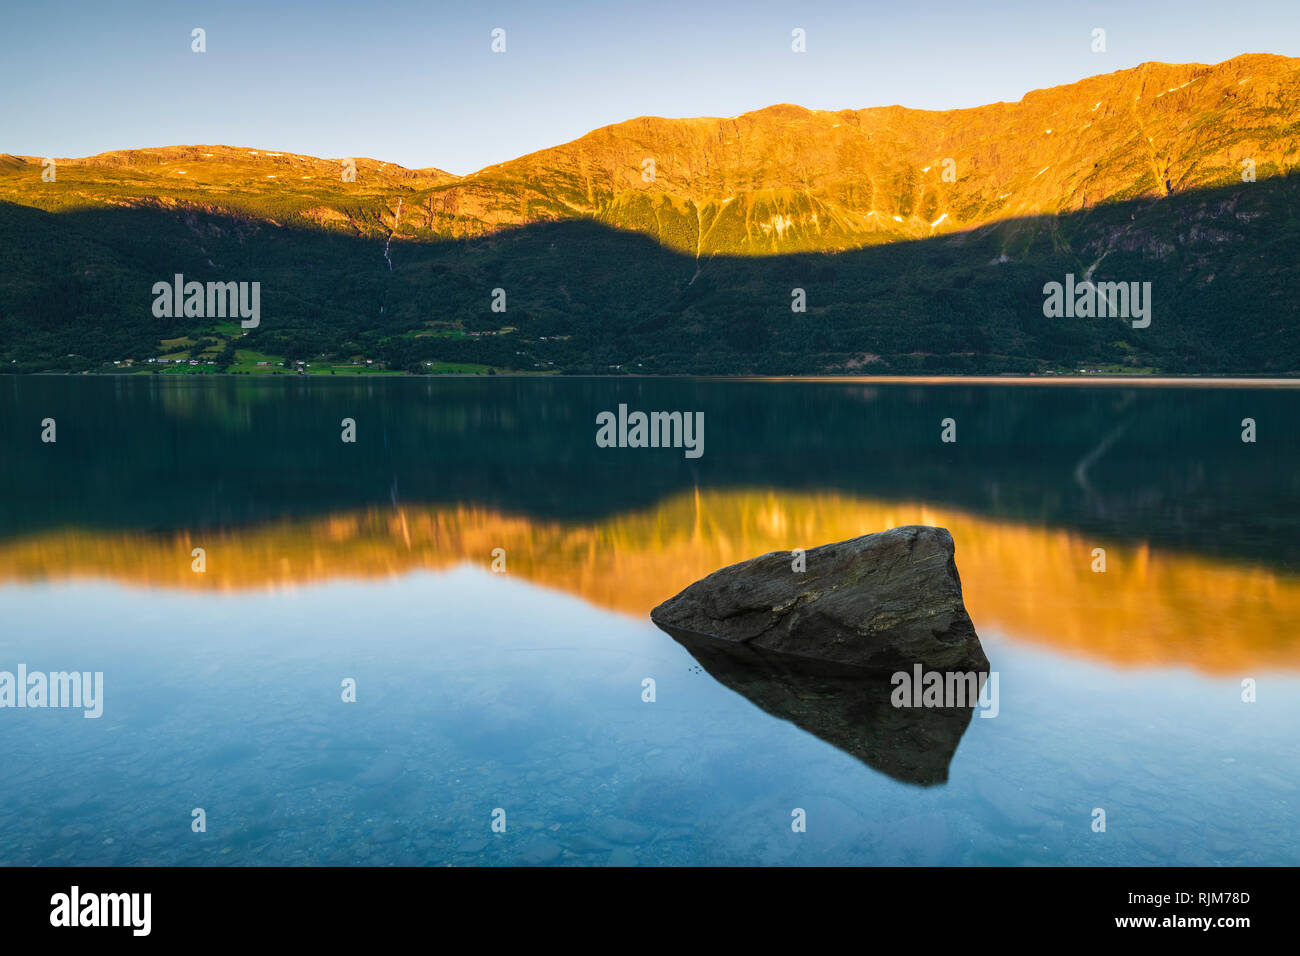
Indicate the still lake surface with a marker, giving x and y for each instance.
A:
(522, 690)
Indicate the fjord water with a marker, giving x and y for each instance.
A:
(523, 690)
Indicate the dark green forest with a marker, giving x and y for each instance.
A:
(75, 293)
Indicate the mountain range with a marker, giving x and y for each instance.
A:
(918, 241)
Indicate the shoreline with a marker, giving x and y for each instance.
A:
(1142, 380)
(1146, 381)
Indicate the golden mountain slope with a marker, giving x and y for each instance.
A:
(784, 178)
(778, 180)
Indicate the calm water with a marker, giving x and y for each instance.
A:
(522, 690)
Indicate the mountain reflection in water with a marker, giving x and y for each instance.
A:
(1149, 608)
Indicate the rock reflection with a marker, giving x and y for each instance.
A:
(850, 709)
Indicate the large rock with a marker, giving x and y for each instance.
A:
(883, 601)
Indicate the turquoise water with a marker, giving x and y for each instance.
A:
(477, 691)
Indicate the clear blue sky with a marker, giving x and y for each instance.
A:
(417, 83)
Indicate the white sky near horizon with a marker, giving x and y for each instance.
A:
(417, 83)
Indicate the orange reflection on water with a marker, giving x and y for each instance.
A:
(1032, 584)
